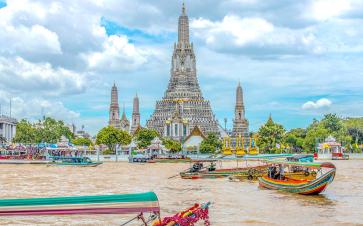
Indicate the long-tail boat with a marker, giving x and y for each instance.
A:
(73, 161)
(322, 175)
(198, 171)
(170, 159)
(103, 204)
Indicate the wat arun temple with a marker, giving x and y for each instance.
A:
(183, 107)
(182, 111)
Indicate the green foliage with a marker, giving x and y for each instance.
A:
(295, 139)
(332, 125)
(51, 130)
(108, 152)
(354, 127)
(80, 141)
(269, 135)
(144, 137)
(111, 137)
(25, 133)
(172, 145)
(211, 144)
(315, 133)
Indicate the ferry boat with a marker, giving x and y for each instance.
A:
(276, 179)
(73, 161)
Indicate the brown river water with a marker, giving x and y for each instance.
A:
(233, 203)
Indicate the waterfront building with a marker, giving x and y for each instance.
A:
(80, 133)
(114, 116)
(240, 123)
(135, 115)
(7, 127)
(193, 141)
(183, 106)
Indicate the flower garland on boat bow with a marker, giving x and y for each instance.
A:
(188, 217)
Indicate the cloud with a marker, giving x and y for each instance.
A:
(326, 9)
(20, 75)
(253, 36)
(117, 54)
(32, 108)
(319, 104)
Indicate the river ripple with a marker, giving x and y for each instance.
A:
(233, 203)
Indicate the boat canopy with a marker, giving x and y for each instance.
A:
(101, 204)
(303, 164)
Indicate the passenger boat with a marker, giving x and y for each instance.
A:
(198, 171)
(276, 179)
(169, 159)
(104, 204)
(73, 161)
(301, 158)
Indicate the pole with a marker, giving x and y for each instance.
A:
(98, 154)
(10, 108)
(116, 153)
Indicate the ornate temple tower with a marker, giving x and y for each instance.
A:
(125, 123)
(183, 97)
(114, 117)
(240, 123)
(135, 115)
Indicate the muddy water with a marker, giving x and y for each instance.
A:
(234, 203)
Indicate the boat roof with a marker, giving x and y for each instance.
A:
(304, 164)
(68, 157)
(300, 156)
(141, 202)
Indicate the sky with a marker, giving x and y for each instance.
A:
(297, 60)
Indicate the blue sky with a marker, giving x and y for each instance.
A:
(295, 59)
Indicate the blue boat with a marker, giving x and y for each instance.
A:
(301, 158)
(73, 161)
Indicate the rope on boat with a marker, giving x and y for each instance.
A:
(141, 217)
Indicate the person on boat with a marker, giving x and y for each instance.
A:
(212, 166)
(196, 167)
(272, 172)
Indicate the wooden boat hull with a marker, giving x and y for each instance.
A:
(221, 173)
(305, 187)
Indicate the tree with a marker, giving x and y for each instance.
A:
(269, 135)
(111, 137)
(172, 145)
(81, 141)
(295, 139)
(316, 132)
(144, 137)
(354, 127)
(51, 130)
(211, 144)
(332, 123)
(25, 133)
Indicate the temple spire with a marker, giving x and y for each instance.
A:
(183, 27)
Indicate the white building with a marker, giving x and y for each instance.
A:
(7, 127)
